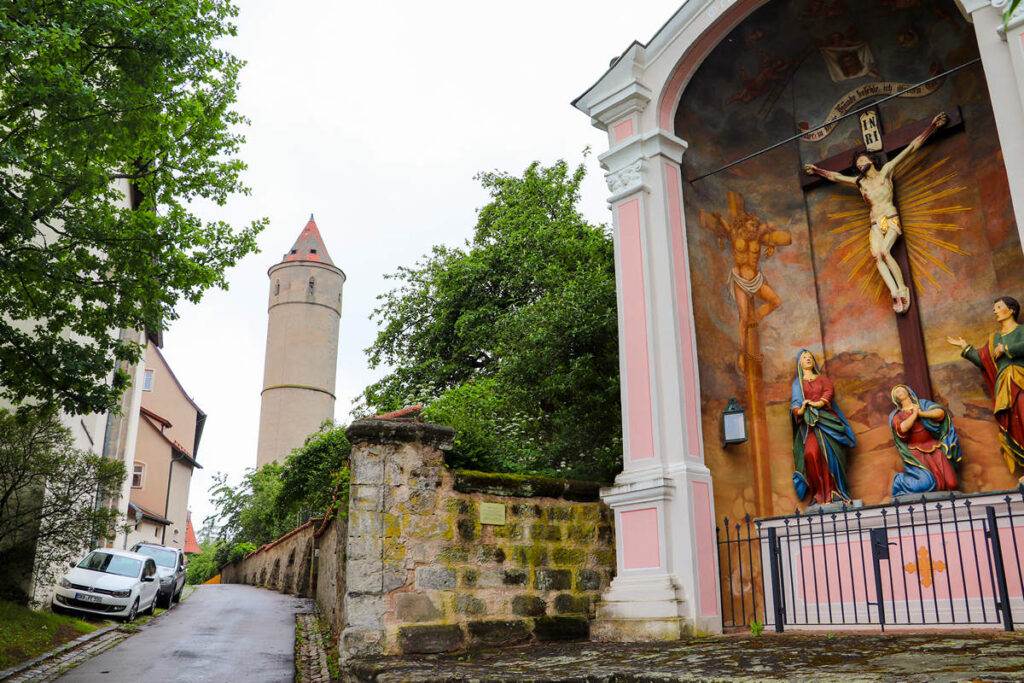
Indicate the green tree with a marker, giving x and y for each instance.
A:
(48, 497)
(513, 338)
(273, 500)
(98, 95)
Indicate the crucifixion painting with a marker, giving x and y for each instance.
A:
(876, 187)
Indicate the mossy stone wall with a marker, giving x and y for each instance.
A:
(424, 574)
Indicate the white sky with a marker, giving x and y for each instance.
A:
(375, 117)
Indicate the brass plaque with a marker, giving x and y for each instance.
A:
(492, 513)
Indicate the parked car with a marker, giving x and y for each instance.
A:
(109, 582)
(170, 564)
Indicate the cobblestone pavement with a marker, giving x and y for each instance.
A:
(310, 651)
(935, 658)
(49, 669)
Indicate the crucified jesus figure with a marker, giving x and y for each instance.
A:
(875, 185)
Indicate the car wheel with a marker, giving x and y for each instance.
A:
(152, 607)
(177, 596)
(133, 612)
(165, 601)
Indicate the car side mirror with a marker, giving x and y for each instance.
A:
(72, 565)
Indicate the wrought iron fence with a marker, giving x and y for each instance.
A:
(932, 563)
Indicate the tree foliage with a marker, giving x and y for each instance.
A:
(48, 495)
(513, 338)
(273, 500)
(97, 95)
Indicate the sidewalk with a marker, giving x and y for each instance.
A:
(935, 658)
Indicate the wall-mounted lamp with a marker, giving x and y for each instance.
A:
(734, 423)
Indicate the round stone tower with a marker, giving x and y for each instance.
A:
(302, 346)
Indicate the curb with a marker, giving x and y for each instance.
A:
(82, 640)
(70, 645)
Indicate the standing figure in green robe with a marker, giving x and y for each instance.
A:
(1001, 362)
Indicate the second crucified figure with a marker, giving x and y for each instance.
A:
(875, 185)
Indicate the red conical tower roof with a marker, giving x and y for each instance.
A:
(310, 246)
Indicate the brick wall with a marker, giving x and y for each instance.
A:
(426, 574)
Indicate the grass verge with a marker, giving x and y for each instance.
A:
(25, 633)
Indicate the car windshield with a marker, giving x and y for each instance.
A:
(164, 558)
(111, 564)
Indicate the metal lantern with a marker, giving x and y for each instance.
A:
(734, 423)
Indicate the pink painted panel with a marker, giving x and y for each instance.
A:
(673, 190)
(925, 567)
(640, 549)
(707, 577)
(638, 374)
(623, 130)
(696, 54)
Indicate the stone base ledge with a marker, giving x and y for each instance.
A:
(639, 630)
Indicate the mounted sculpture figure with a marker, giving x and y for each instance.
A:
(821, 435)
(1001, 362)
(875, 185)
(927, 442)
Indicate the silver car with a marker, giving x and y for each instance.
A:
(112, 583)
(170, 565)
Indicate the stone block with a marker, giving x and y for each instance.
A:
(394, 473)
(364, 497)
(512, 531)
(582, 491)
(526, 510)
(515, 577)
(416, 607)
(504, 632)
(469, 530)
(515, 485)
(567, 603)
(545, 532)
(581, 533)
(491, 579)
(419, 501)
(430, 639)
(461, 506)
(568, 557)
(552, 580)
(364, 611)
(590, 513)
(365, 468)
(532, 555)
(604, 557)
(393, 577)
(490, 554)
(470, 578)
(588, 580)
(433, 526)
(561, 513)
(467, 604)
(365, 548)
(364, 576)
(561, 628)
(374, 431)
(434, 578)
(358, 642)
(363, 523)
(605, 534)
(453, 554)
(528, 606)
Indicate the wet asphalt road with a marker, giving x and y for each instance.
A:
(221, 634)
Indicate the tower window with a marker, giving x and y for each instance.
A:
(312, 282)
(147, 381)
(277, 288)
(312, 251)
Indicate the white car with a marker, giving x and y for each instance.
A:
(109, 582)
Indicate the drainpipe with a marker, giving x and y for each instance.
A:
(167, 500)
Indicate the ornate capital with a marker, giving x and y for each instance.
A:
(626, 179)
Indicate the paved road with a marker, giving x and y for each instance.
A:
(222, 634)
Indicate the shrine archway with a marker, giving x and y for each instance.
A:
(675, 308)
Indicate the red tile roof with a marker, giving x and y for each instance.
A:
(191, 544)
(309, 246)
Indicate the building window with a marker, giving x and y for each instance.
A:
(277, 288)
(137, 472)
(147, 380)
(312, 282)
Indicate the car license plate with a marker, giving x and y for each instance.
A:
(85, 597)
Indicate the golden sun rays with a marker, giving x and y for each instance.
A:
(925, 190)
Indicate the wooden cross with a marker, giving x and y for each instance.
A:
(882, 145)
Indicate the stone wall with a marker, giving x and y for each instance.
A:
(329, 577)
(426, 574)
(286, 565)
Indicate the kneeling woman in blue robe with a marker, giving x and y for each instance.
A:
(927, 442)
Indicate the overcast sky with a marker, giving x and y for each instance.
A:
(375, 117)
